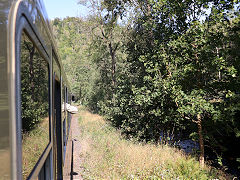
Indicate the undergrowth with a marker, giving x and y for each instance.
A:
(107, 155)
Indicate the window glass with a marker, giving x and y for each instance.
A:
(34, 104)
(69, 114)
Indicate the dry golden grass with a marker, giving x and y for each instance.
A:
(107, 155)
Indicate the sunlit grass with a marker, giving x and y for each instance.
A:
(33, 145)
(107, 155)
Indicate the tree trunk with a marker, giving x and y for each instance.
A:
(112, 53)
(201, 142)
(113, 66)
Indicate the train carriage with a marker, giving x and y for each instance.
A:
(35, 134)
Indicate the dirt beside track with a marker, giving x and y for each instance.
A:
(76, 173)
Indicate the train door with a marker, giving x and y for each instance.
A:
(58, 127)
(58, 154)
(64, 119)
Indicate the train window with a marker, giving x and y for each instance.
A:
(34, 104)
(69, 114)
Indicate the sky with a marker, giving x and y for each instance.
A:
(64, 8)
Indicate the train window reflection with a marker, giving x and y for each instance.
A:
(34, 104)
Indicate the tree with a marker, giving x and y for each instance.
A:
(177, 63)
(74, 37)
(107, 32)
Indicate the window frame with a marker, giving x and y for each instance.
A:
(24, 31)
(23, 25)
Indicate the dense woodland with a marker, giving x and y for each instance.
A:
(159, 69)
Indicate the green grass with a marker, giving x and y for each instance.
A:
(107, 155)
(33, 145)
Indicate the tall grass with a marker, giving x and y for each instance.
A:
(107, 155)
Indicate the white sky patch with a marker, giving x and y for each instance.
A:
(65, 8)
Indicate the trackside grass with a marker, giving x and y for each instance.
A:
(107, 155)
